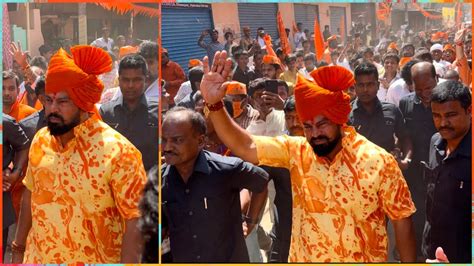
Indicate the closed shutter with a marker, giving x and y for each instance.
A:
(181, 28)
(336, 13)
(306, 14)
(259, 15)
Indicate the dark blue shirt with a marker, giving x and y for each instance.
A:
(448, 204)
(204, 215)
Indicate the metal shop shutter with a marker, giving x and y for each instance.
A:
(259, 15)
(336, 13)
(306, 14)
(181, 28)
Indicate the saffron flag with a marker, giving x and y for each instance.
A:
(284, 42)
(318, 40)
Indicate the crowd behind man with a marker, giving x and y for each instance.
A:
(392, 104)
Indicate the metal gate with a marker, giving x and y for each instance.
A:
(306, 14)
(181, 27)
(259, 15)
(336, 13)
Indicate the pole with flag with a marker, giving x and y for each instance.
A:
(284, 42)
(318, 40)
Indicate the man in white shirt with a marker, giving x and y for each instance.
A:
(260, 35)
(403, 86)
(309, 65)
(440, 65)
(390, 76)
(300, 36)
(104, 42)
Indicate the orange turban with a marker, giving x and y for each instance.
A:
(126, 50)
(449, 47)
(236, 88)
(271, 60)
(436, 37)
(194, 62)
(404, 60)
(77, 74)
(325, 95)
(392, 45)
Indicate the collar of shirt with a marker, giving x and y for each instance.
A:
(356, 105)
(201, 165)
(121, 104)
(464, 148)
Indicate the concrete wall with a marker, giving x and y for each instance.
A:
(287, 11)
(226, 16)
(18, 18)
(324, 16)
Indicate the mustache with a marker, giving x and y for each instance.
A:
(168, 153)
(445, 128)
(56, 116)
(320, 138)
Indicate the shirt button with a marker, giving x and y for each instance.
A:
(195, 236)
(186, 191)
(190, 213)
(198, 257)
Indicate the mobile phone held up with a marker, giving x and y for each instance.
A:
(271, 85)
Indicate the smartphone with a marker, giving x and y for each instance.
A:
(271, 86)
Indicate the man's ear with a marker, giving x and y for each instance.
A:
(202, 139)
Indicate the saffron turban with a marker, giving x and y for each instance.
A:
(393, 46)
(325, 95)
(236, 88)
(77, 74)
(271, 60)
(194, 62)
(404, 60)
(126, 50)
(448, 47)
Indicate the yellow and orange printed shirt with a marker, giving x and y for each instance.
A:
(81, 194)
(339, 208)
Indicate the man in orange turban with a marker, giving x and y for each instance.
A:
(126, 50)
(449, 53)
(343, 185)
(271, 67)
(84, 180)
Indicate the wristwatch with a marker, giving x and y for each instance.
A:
(212, 107)
(248, 220)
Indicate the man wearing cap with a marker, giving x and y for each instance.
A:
(195, 75)
(213, 46)
(242, 112)
(84, 180)
(271, 67)
(185, 89)
(440, 65)
(343, 185)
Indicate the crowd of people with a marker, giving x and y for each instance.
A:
(80, 135)
(362, 154)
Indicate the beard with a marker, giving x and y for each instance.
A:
(326, 148)
(58, 129)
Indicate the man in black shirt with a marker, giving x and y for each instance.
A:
(242, 73)
(416, 110)
(201, 193)
(132, 114)
(448, 174)
(378, 121)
